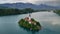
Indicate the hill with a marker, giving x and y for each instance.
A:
(28, 5)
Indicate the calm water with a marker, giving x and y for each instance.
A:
(50, 23)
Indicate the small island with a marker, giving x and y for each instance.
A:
(30, 23)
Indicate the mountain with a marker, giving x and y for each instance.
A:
(27, 5)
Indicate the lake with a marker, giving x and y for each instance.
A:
(49, 21)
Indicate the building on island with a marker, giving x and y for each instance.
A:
(28, 18)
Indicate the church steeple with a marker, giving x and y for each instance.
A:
(29, 16)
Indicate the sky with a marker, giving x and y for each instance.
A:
(48, 2)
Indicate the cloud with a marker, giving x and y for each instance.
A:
(30, 1)
(53, 3)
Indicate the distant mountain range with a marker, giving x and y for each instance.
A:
(27, 5)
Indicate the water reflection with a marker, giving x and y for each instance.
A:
(28, 30)
(48, 20)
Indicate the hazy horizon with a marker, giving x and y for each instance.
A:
(48, 2)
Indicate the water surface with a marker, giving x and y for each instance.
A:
(49, 21)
